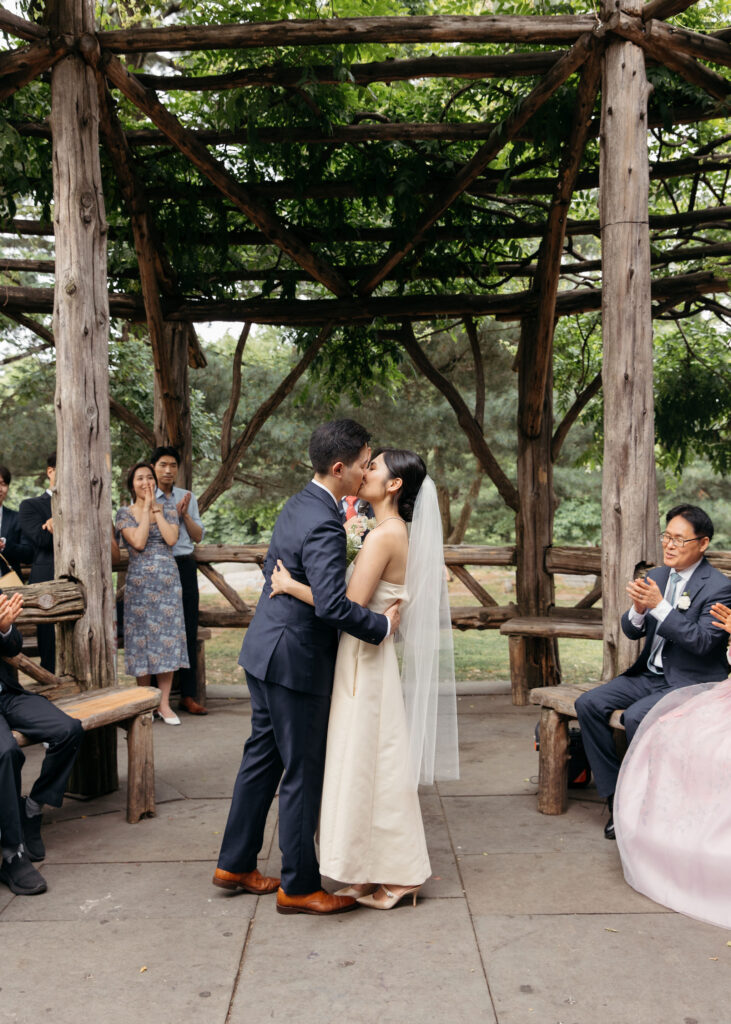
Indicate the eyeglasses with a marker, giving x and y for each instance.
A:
(667, 540)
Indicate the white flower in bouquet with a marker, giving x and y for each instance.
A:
(355, 530)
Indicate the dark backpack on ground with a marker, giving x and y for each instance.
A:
(579, 770)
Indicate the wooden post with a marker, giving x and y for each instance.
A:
(553, 763)
(629, 495)
(178, 434)
(534, 522)
(82, 505)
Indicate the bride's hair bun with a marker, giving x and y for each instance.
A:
(410, 467)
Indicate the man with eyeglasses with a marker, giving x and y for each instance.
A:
(671, 610)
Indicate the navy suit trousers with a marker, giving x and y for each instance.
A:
(287, 742)
(636, 694)
(40, 720)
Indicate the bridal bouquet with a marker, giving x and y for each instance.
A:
(355, 531)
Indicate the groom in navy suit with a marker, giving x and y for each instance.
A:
(671, 609)
(289, 656)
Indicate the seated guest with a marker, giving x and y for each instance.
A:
(39, 720)
(36, 524)
(166, 462)
(671, 609)
(13, 546)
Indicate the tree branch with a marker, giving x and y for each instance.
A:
(233, 402)
(580, 403)
(133, 421)
(466, 420)
(479, 363)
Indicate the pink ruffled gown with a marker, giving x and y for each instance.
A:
(672, 807)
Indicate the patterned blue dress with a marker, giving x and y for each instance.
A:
(154, 632)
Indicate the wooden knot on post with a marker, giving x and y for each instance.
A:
(46, 602)
(89, 49)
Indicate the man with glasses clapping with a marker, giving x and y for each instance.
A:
(671, 609)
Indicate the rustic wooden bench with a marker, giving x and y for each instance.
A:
(130, 708)
(582, 624)
(558, 707)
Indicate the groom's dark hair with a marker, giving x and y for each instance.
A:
(336, 441)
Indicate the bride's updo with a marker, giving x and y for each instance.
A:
(410, 467)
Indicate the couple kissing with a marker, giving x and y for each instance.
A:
(351, 763)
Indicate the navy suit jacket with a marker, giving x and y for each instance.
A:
(695, 649)
(33, 513)
(9, 647)
(290, 642)
(17, 550)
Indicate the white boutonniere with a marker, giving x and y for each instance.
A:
(684, 603)
(355, 530)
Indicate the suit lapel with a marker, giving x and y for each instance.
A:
(697, 580)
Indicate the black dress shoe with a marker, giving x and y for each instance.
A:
(21, 877)
(609, 827)
(32, 834)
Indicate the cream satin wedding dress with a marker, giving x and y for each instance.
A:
(370, 822)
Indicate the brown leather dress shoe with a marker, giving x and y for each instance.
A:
(246, 881)
(319, 902)
(192, 706)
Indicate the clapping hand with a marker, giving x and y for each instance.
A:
(721, 616)
(10, 609)
(182, 505)
(645, 594)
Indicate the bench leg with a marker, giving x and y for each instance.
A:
(518, 671)
(553, 763)
(200, 668)
(141, 768)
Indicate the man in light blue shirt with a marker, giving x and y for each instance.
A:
(165, 460)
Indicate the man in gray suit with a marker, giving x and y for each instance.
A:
(671, 608)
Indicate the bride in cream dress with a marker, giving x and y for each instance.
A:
(389, 729)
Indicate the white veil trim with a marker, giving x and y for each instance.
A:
(426, 648)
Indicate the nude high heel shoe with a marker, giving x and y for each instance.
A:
(356, 890)
(391, 898)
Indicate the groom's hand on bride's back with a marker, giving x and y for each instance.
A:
(393, 615)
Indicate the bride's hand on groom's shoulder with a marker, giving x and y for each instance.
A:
(280, 578)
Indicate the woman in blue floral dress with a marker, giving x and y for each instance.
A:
(154, 632)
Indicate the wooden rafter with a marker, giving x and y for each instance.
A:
(18, 67)
(665, 8)
(521, 113)
(462, 29)
(20, 28)
(277, 232)
(468, 66)
(504, 306)
(537, 361)
(658, 47)
(694, 44)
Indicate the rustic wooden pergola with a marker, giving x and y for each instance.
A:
(608, 51)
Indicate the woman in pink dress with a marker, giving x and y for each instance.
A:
(672, 807)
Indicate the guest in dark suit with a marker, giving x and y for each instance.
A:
(289, 656)
(39, 720)
(672, 610)
(36, 524)
(13, 547)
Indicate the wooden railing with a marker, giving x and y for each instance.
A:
(488, 614)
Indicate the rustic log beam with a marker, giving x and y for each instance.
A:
(634, 30)
(476, 28)
(60, 600)
(23, 664)
(20, 28)
(273, 229)
(553, 761)
(693, 44)
(355, 133)
(714, 217)
(224, 588)
(537, 346)
(475, 588)
(467, 66)
(590, 599)
(18, 67)
(153, 268)
(517, 118)
(508, 306)
(665, 8)
(223, 477)
(126, 416)
(476, 439)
